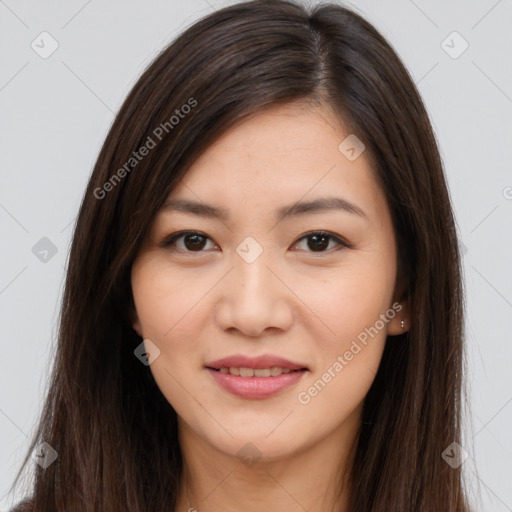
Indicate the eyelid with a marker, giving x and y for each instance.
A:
(169, 240)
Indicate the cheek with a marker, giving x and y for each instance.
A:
(354, 307)
(352, 299)
(165, 302)
(348, 360)
(165, 299)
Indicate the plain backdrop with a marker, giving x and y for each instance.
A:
(56, 111)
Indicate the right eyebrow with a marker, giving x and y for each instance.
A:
(319, 205)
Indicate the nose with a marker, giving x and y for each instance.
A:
(254, 298)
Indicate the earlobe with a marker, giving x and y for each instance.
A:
(137, 329)
(135, 323)
(400, 323)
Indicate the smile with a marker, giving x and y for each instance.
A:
(275, 371)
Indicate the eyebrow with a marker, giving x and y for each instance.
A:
(316, 206)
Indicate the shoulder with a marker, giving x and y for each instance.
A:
(23, 506)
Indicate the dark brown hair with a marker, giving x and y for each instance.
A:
(115, 433)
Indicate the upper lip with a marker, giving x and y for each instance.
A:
(258, 362)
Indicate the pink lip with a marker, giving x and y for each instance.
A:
(259, 362)
(255, 387)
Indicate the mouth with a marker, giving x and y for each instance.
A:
(274, 371)
(244, 364)
(257, 377)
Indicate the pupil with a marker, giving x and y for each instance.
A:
(196, 244)
(321, 245)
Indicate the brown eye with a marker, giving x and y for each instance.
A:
(194, 242)
(319, 241)
(186, 241)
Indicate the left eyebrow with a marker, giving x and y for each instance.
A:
(319, 206)
(316, 206)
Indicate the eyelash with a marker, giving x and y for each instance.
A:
(170, 241)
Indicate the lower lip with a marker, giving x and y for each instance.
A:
(255, 387)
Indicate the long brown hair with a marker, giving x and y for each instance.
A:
(113, 430)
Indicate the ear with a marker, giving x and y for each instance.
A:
(402, 311)
(134, 320)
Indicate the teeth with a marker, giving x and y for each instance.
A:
(263, 372)
(251, 372)
(246, 372)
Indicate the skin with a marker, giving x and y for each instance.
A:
(304, 305)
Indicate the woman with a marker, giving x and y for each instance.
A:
(263, 306)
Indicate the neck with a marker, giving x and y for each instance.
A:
(315, 479)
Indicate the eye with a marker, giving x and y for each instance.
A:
(319, 241)
(195, 241)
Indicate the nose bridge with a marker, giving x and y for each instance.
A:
(252, 275)
(254, 298)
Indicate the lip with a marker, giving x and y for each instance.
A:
(255, 387)
(258, 362)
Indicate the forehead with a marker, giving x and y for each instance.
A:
(284, 154)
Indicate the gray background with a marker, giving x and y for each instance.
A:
(55, 113)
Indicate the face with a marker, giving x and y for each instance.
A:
(301, 298)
